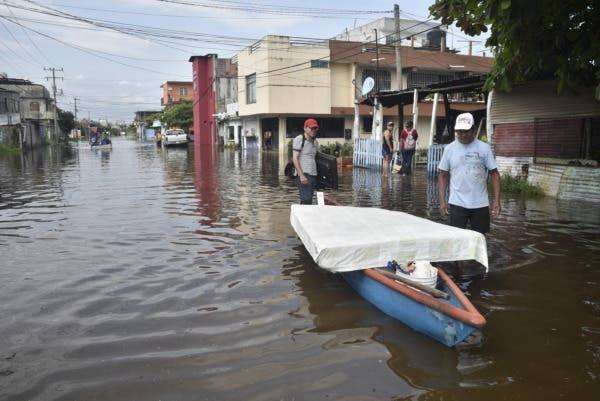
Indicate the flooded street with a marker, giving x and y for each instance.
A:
(161, 274)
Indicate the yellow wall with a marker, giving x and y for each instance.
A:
(297, 90)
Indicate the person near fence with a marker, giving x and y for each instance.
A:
(408, 144)
(305, 147)
(387, 146)
(467, 161)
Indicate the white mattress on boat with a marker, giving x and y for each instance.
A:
(344, 238)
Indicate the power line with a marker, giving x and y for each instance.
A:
(273, 8)
(253, 18)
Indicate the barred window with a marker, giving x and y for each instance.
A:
(383, 78)
(319, 64)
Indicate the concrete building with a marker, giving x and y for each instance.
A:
(174, 92)
(10, 118)
(283, 80)
(144, 131)
(414, 33)
(36, 111)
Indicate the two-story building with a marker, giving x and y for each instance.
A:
(283, 80)
(174, 92)
(36, 109)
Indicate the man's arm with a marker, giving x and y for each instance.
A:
(496, 206)
(296, 161)
(442, 185)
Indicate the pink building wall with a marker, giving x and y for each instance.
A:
(205, 126)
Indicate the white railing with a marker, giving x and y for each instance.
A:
(367, 153)
(434, 155)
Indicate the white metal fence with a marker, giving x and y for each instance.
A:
(367, 153)
(434, 155)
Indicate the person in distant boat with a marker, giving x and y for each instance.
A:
(388, 146)
(94, 137)
(305, 147)
(467, 162)
(105, 139)
(408, 143)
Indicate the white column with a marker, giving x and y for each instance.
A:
(236, 134)
(433, 118)
(356, 126)
(415, 108)
(489, 126)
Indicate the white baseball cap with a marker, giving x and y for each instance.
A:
(464, 121)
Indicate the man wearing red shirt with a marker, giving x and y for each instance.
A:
(408, 144)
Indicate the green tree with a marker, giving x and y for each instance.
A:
(179, 115)
(66, 121)
(533, 39)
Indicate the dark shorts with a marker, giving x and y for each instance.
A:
(478, 219)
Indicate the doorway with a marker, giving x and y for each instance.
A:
(270, 133)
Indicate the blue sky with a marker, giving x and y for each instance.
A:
(131, 81)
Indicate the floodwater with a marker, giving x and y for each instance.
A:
(149, 274)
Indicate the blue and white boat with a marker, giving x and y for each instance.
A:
(355, 242)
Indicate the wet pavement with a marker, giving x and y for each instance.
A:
(164, 274)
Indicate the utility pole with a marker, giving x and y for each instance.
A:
(77, 130)
(397, 47)
(54, 78)
(399, 85)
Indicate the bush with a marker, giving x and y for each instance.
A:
(9, 150)
(336, 149)
(518, 186)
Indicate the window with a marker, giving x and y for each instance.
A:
(328, 127)
(383, 79)
(420, 79)
(250, 88)
(34, 106)
(183, 91)
(319, 64)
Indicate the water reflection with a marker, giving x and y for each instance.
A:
(152, 273)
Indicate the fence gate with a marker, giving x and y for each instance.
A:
(367, 153)
(434, 155)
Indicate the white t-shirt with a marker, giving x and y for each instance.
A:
(468, 166)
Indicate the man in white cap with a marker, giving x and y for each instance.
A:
(468, 161)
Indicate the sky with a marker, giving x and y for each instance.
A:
(112, 74)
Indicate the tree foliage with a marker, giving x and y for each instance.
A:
(533, 39)
(179, 115)
(66, 121)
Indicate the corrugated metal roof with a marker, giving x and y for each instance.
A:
(539, 99)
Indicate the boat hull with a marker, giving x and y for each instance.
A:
(420, 317)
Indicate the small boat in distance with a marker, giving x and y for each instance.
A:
(356, 242)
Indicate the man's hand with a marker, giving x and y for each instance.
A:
(444, 209)
(303, 179)
(496, 208)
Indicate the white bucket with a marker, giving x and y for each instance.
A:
(424, 273)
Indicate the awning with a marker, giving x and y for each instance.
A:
(343, 238)
(406, 96)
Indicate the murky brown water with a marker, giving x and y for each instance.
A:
(141, 274)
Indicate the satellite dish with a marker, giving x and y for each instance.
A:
(368, 86)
